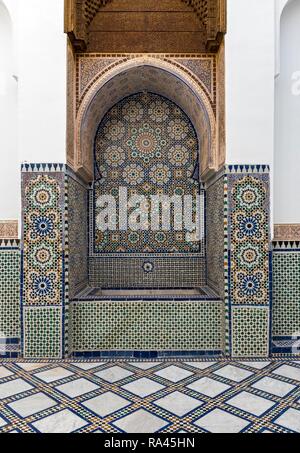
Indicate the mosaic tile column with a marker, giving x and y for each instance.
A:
(286, 297)
(247, 258)
(9, 298)
(44, 292)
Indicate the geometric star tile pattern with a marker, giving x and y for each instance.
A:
(194, 396)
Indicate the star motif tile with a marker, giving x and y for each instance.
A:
(221, 422)
(178, 403)
(106, 404)
(113, 374)
(174, 374)
(143, 387)
(140, 422)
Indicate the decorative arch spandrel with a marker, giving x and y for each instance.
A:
(145, 74)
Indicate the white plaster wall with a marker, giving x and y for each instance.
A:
(37, 131)
(42, 81)
(279, 7)
(287, 118)
(250, 66)
(8, 118)
(250, 63)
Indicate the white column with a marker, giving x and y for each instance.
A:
(9, 178)
(287, 129)
(250, 66)
(32, 92)
(42, 81)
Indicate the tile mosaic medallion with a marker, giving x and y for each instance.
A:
(44, 293)
(147, 145)
(150, 397)
(55, 267)
(247, 287)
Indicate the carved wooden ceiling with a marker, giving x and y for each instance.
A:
(79, 15)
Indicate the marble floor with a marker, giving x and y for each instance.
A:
(148, 397)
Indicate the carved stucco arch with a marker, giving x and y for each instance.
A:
(80, 13)
(153, 75)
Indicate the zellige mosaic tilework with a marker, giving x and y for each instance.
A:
(77, 210)
(149, 146)
(157, 396)
(286, 296)
(247, 290)
(165, 326)
(44, 294)
(10, 324)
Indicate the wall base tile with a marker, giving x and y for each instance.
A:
(286, 291)
(42, 332)
(148, 326)
(250, 332)
(10, 324)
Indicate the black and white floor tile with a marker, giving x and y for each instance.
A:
(148, 397)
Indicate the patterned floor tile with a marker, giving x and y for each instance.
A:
(77, 388)
(290, 419)
(178, 403)
(31, 366)
(2, 422)
(4, 372)
(167, 396)
(55, 374)
(14, 387)
(288, 371)
(143, 387)
(209, 387)
(114, 374)
(233, 373)
(145, 365)
(87, 365)
(250, 403)
(200, 365)
(106, 404)
(219, 421)
(62, 422)
(141, 421)
(32, 404)
(274, 386)
(256, 365)
(174, 374)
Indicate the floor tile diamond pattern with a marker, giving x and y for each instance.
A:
(194, 396)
